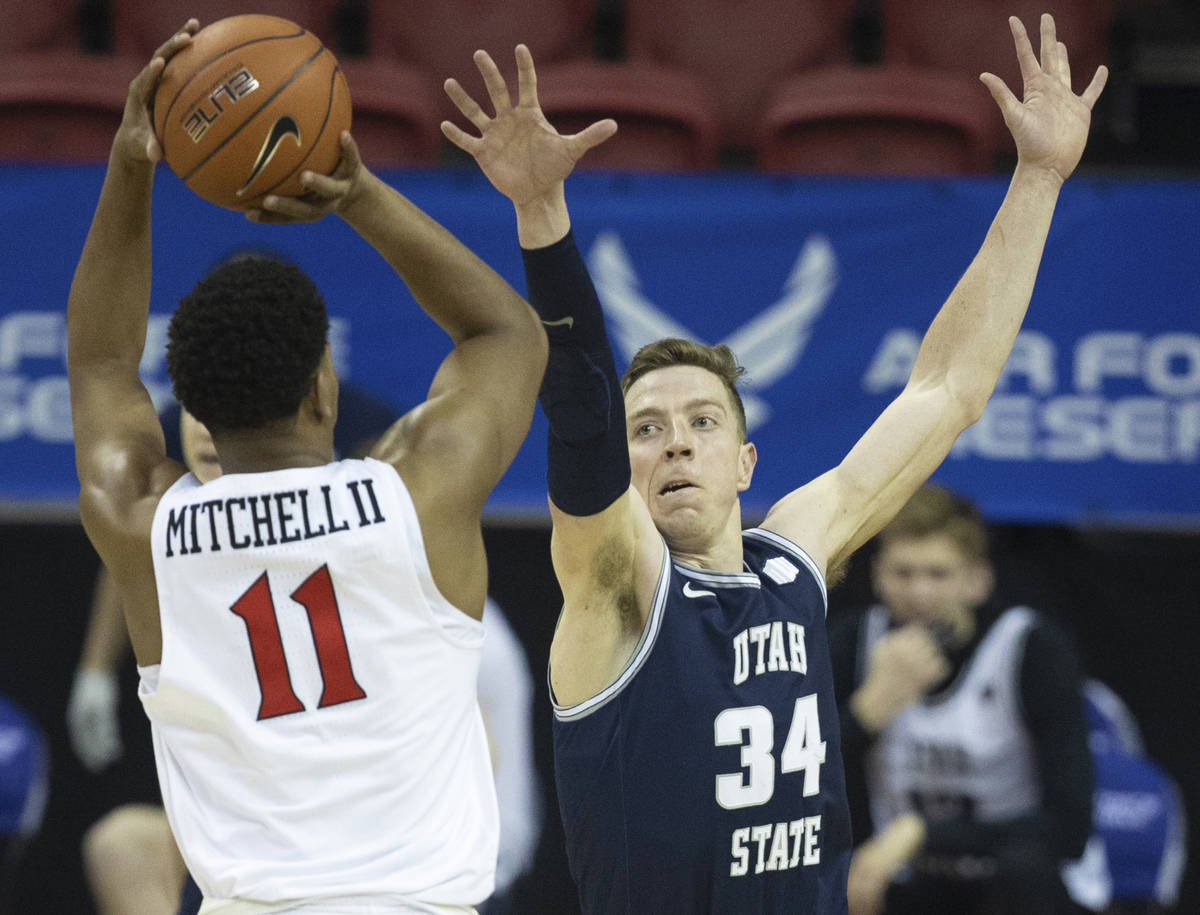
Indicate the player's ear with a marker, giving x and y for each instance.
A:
(324, 392)
(747, 459)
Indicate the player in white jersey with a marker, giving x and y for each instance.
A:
(963, 730)
(307, 631)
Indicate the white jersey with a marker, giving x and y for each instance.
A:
(315, 722)
(965, 750)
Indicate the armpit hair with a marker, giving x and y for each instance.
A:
(612, 576)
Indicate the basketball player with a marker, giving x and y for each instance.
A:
(963, 731)
(130, 858)
(696, 734)
(308, 648)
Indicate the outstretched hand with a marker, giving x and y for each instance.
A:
(135, 139)
(1050, 125)
(521, 154)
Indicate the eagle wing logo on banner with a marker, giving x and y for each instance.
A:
(769, 345)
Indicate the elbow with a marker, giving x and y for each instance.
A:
(965, 403)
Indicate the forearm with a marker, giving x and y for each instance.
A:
(109, 301)
(461, 293)
(969, 340)
(106, 641)
(588, 455)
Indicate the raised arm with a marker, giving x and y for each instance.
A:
(119, 452)
(452, 449)
(967, 344)
(605, 549)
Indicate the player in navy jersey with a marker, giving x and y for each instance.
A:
(696, 737)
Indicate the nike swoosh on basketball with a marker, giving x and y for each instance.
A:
(284, 126)
(689, 591)
(568, 322)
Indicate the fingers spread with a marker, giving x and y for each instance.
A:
(1095, 87)
(460, 137)
(526, 78)
(592, 135)
(1049, 44)
(1000, 92)
(1064, 65)
(1025, 56)
(467, 105)
(496, 87)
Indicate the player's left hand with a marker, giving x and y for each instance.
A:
(523, 156)
(1050, 125)
(135, 140)
(324, 194)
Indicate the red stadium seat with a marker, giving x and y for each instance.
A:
(971, 38)
(740, 48)
(63, 106)
(879, 121)
(441, 36)
(139, 27)
(46, 25)
(665, 120)
(396, 114)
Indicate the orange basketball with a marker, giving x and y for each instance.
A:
(251, 103)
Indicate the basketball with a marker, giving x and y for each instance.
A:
(251, 103)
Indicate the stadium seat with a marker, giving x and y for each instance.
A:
(665, 119)
(396, 113)
(139, 27)
(47, 25)
(739, 48)
(61, 106)
(877, 120)
(442, 36)
(970, 38)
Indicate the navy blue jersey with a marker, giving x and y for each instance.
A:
(708, 777)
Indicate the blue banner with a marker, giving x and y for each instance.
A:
(823, 287)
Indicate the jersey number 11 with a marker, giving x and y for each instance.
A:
(257, 610)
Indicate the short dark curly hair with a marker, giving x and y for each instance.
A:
(244, 345)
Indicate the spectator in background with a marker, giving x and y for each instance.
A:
(24, 780)
(963, 730)
(130, 858)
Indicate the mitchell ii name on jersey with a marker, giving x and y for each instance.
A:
(268, 519)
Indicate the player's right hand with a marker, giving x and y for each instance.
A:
(523, 156)
(135, 137)
(93, 724)
(323, 194)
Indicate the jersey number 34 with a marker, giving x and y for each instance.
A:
(753, 728)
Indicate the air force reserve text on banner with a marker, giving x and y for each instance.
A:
(817, 285)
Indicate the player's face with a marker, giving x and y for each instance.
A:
(686, 453)
(930, 580)
(199, 452)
